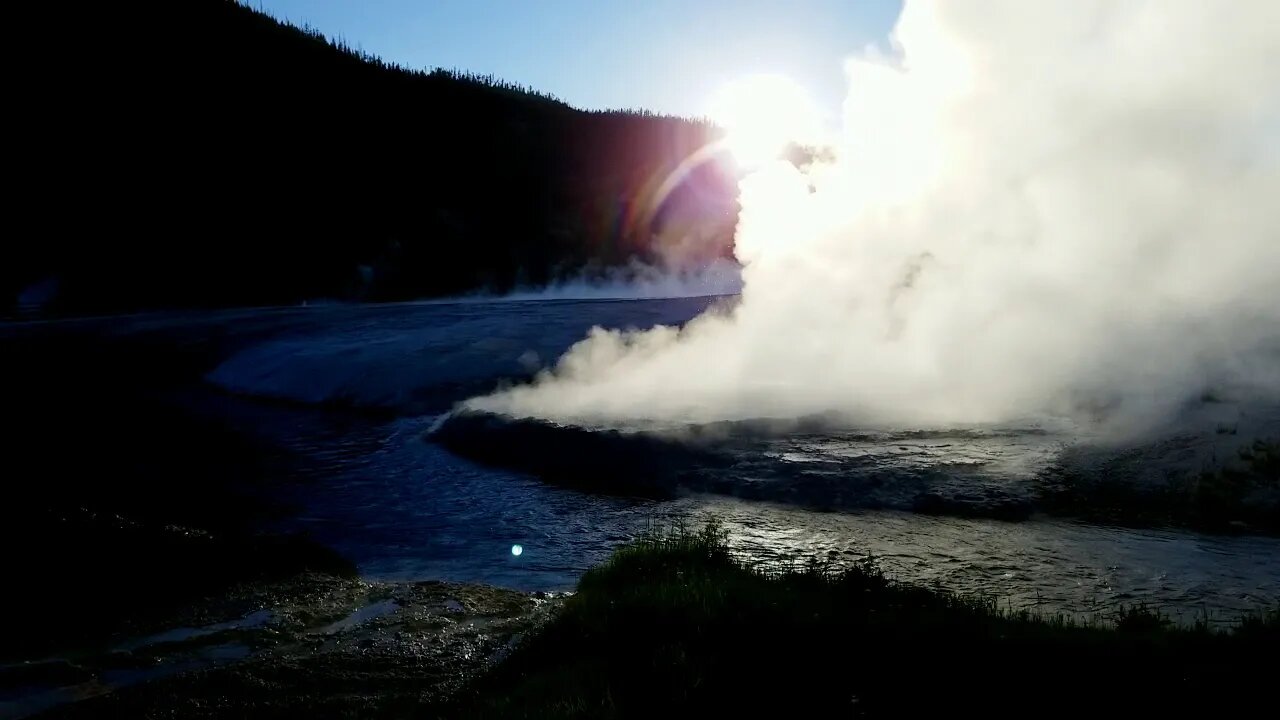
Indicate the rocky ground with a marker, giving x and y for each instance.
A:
(313, 646)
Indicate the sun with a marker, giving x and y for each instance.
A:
(761, 115)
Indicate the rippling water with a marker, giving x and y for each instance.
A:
(953, 507)
(408, 509)
(1050, 565)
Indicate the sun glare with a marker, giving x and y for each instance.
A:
(761, 115)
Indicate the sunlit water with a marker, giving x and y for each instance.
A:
(404, 507)
(408, 509)
(932, 506)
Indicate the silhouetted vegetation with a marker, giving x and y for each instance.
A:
(202, 153)
(675, 625)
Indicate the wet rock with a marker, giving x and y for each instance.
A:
(1000, 508)
(333, 647)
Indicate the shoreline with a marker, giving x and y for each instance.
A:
(337, 645)
(328, 646)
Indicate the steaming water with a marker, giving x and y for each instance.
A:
(1027, 208)
(931, 504)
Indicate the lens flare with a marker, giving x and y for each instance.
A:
(1031, 209)
(761, 115)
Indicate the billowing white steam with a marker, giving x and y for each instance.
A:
(1036, 208)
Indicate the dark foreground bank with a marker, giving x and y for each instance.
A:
(675, 624)
(314, 645)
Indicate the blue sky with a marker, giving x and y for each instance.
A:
(665, 55)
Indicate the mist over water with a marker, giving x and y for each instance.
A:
(1035, 209)
(642, 281)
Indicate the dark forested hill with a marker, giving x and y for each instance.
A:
(200, 153)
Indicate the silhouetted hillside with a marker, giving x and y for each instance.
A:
(202, 153)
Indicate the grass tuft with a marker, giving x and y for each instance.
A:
(676, 624)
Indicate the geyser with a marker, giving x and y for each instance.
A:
(1033, 209)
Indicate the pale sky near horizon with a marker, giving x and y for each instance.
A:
(665, 55)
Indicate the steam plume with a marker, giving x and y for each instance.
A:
(1035, 208)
